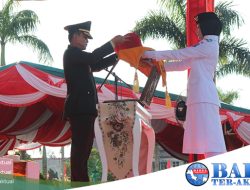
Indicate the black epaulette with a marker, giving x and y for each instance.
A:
(209, 40)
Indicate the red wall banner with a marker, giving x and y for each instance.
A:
(195, 7)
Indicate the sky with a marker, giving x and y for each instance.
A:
(110, 18)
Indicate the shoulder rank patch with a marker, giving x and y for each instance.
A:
(209, 40)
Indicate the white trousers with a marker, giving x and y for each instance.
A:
(203, 130)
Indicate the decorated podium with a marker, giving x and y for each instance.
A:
(124, 138)
(123, 131)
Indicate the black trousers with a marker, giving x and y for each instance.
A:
(82, 128)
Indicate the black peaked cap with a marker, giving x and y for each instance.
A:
(83, 27)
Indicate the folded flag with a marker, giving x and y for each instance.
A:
(131, 51)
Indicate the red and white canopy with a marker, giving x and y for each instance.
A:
(31, 107)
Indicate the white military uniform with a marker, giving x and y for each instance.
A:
(203, 130)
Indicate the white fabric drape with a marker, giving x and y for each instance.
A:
(28, 136)
(40, 85)
(36, 125)
(244, 131)
(4, 149)
(27, 146)
(21, 99)
(62, 133)
(15, 120)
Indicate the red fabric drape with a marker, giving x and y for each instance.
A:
(39, 119)
(195, 7)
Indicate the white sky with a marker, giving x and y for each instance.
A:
(109, 18)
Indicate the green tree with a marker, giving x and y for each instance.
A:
(44, 161)
(95, 166)
(18, 27)
(67, 165)
(228, 97)
(169, 22)
(23, 155)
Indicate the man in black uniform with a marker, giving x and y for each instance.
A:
(80, 104)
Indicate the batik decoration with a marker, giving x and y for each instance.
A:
(116, 120)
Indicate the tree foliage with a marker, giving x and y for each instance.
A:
(18, 27)
(169, 23)
(228, 97)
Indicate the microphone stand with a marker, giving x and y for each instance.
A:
(109, 72)
(116, 81)
(116, 84)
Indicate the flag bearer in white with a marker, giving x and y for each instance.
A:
(203, 131)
